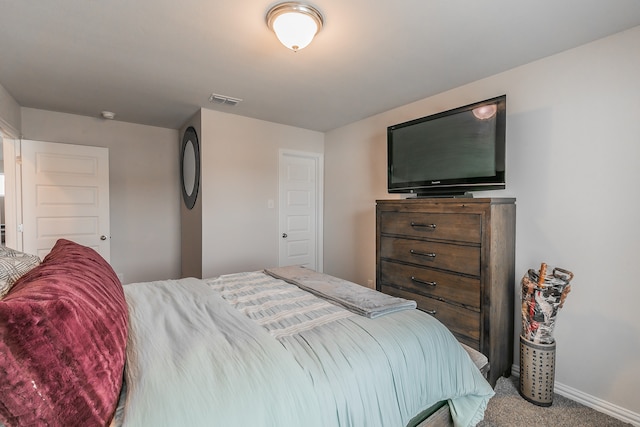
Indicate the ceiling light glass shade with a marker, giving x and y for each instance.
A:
(295, 24)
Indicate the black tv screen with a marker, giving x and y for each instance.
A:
(452, 152)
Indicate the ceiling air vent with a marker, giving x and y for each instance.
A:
(223, 99)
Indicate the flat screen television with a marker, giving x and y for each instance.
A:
(451, 153)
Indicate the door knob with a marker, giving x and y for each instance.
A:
(103, 237)
(284, 235)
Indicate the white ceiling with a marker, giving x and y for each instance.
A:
(156, 62)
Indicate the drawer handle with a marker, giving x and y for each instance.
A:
(425, 254)
(423, 282)
(417, 224)
(431, 312)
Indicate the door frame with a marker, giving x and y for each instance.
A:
(12, 192)
(318, 159)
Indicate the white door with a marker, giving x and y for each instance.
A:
(300, 209)
(65, 194)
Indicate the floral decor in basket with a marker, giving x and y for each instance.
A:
(542, 297)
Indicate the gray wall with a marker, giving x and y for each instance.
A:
(573, 163)
(191, 219)
(10, 117)
(144, 187)
(239, 177)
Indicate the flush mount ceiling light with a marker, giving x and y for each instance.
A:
(295, 24)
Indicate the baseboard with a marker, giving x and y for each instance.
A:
(590, 401)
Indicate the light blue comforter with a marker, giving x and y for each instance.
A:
(251, 350)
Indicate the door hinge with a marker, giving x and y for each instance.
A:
(19, 160)
(20, 228)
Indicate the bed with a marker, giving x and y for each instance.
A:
(240, 349)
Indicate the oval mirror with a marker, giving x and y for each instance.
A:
(190, 167)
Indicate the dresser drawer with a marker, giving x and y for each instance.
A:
(462, 259)
(463, 323)
(455, 227)
(436, 284)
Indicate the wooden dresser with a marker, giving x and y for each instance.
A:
(455, 258)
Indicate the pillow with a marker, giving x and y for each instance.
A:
(63, 331)
(14, 264)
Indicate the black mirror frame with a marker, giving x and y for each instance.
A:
(190, 135)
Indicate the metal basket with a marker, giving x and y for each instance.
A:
(537, 371)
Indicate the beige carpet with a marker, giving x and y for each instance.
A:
(508, 409)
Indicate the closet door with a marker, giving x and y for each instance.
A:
(300, 209)
(65, 194)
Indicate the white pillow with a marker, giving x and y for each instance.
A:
(13, 264)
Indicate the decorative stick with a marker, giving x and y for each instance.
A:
(541, 276)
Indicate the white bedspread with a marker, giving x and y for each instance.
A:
(251, 350)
